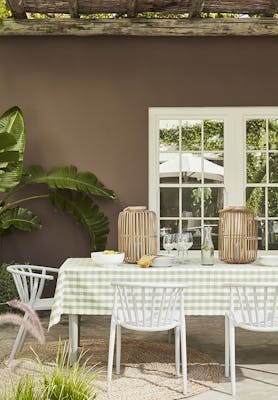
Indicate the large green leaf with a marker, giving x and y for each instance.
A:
(19, 218)
(82, 207)
(69, 178)
(11, 124)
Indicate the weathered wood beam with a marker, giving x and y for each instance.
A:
(197, 7)
(167, 6)
(73, 8)
(140, 27)
(17, 8)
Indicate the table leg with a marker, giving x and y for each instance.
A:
(73, 338)
(79, 328)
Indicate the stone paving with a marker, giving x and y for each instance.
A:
(256, 354)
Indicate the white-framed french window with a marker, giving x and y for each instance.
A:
(204, 158)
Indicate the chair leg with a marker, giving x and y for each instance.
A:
(118, 350)
(177, 350)
(111, 351)
(17, 344)
(227, 361)
(232, 358)
(184, 356)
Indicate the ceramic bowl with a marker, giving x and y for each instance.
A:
(100, 258)
(163, 261)
(268, 260)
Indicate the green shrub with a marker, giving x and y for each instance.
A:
(23, 390)
(7, 287)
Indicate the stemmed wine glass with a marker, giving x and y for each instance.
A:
(184, 241)
(168, 242)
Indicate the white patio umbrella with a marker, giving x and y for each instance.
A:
(191, 165)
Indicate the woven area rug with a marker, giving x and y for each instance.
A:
(147, 369)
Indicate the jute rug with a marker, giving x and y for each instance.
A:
(147, 369)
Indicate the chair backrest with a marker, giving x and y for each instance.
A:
(29, 281)
(256, 304)
(148, 305)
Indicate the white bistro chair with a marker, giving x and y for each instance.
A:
(148, 308)
(29, 281)
(253, 307)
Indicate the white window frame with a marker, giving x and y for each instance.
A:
(234, 128)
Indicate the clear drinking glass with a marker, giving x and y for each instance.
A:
(168, 242)
(185, 242)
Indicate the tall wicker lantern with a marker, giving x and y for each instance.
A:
(238, 235)
(137, 233)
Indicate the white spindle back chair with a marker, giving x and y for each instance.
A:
(148, 307)
(253, 307)
(30, 281)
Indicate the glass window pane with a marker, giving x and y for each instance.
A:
(255, 134)
(213, 167)
(273, 235)
(191, 135)
(256, 169)
(169, 135)
(273, 168)
(169, 167)
(169, 202)
(191, 168)
(261, 235)
(214, 231)
(255, 200)
(273, 202)
(213, 135)
(193, 225)
(273, 134)
(213, 201)
(191, 202)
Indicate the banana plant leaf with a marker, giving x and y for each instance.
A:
(19, 218)
(83, 208)
(68, 178)
(11, 150)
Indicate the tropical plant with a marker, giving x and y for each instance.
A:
(68, 189)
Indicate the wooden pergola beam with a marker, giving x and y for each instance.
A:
(140, 27)
(17, 8)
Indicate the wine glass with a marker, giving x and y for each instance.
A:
(168, 243)
(185, 243)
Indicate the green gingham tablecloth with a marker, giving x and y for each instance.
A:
(83, 288)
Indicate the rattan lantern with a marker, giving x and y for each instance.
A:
(137, 233)
(238, 235)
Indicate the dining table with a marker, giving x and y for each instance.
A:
(84, 288)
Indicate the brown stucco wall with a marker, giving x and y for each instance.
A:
(86, 100)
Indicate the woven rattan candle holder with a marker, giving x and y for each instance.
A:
(238, 235)
(137, 233)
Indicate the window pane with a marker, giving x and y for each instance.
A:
(255, 134)
(193, 225)
(191, 168)
(273, 202)
(169, 202)
(214, 231)
(273, 168)
(273, 235)
(255, 200)
(213, 201)
(261, 235)
(169, 135)
(213, 135)
(256, 170)
(169, 167)
(273, 134)
(213, 167)
(191, 202)
(191, 135)
(168, 227)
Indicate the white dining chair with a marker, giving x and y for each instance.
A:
(253, 307)
(29, 281)
(148, 307)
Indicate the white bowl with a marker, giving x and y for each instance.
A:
(163, 261)
(100, 258)
(268, 260)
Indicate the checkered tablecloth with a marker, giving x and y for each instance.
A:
(83, 288)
